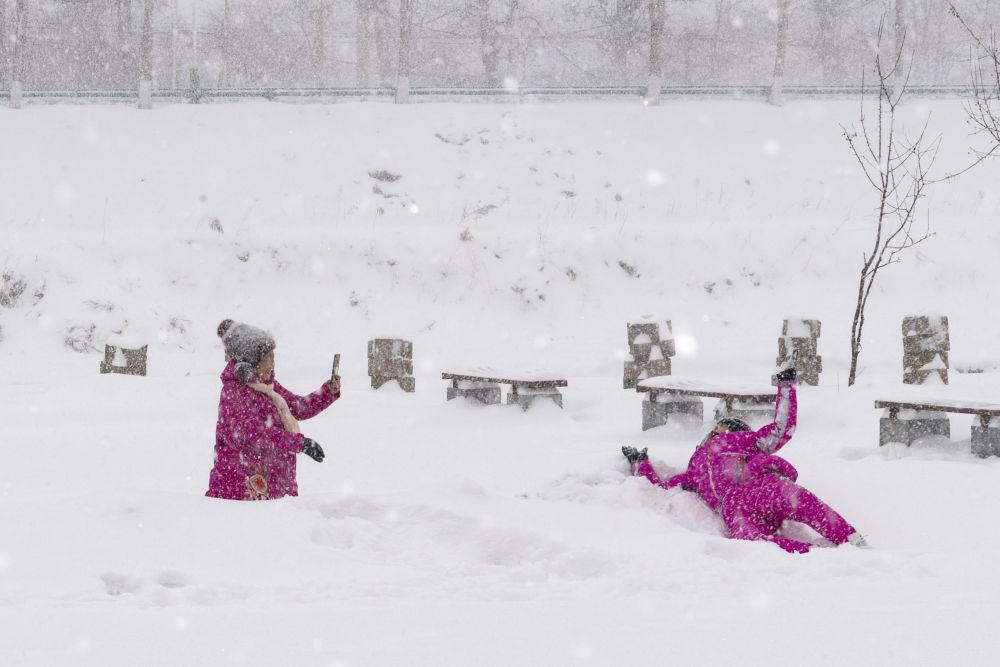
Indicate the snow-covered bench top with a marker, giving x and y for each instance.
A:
(725, 389)
(938, 404)
(529, 379)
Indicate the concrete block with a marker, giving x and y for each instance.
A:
(407, 384)
(647, 332)
(655, 369)
(985, 441)
(924, 324)
(124, 360)
(390, 367)
(390, 348)
(907, 431)
(659, 412)
(526, 398)
(932, 341)
(806, 347)
(925, 427)
(893, 430)
(487, 394)
(926, 377)
(640, 352)
(798, 328)
(631, 375)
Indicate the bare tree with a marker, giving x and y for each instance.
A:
(225, 42)
(4, 64)
(777, 95)
(362, 39)
(489, 42)
(405, 51)
(146, 56)
(825, 39)
(657, 18)
(123, 43)
(983, 109)
(318, 52)
(386, 38)
(19, 57)
(897, 169)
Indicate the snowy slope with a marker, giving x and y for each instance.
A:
(441, 533)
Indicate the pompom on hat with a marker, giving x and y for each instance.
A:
(246, 345)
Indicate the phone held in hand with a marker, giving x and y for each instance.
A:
(336, 367)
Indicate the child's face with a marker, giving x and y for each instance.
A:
(265, 369)
(720, 429)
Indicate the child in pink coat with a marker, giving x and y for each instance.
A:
(735, 471)
(257, 436)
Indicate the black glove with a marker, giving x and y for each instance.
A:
(632, 454)
(312, 449)
(787, 375)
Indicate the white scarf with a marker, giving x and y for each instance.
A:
(287, 420)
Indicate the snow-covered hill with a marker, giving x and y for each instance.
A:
(440, 533)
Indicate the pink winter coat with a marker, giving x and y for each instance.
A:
(728, 460)
(250, 440)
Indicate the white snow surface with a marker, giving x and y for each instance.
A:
(447, 533)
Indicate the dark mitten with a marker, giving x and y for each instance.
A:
(312, 449)
(787, 375)
(633, 455)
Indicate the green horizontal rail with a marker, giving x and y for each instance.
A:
(196, 94)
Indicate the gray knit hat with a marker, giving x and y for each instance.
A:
(246, 345)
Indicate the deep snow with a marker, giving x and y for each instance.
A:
(444, 533)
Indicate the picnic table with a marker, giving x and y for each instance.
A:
(675, 395)
(483, 385)
(918, 415)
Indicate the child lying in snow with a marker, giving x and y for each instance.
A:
(734, 470)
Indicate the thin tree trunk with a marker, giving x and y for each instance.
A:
(319, 43)
(777, 95)
(899, 43)
(825, 39)
(657, 17)
(19, 59)
(362, 41)
(4, 61)
(224, 43)
(385, 41)
(123, 43)
(405, 51)
(146, 57)
(489, 43)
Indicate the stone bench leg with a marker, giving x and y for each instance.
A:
(985, 439)
(906, 431)
(485, 393)
(656, 410)
(526, 397)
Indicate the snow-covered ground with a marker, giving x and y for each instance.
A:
(446, 533)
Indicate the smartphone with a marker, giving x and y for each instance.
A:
(336, 366)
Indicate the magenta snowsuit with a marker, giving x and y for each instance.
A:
(250, 439)
(754, 491)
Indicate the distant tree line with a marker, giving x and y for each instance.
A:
(101, 44)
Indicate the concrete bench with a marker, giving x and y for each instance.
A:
(908, 420)
(525, 387)
(674, 396)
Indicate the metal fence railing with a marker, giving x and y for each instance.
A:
(196, 94)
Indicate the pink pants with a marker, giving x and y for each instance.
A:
(756, 510)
